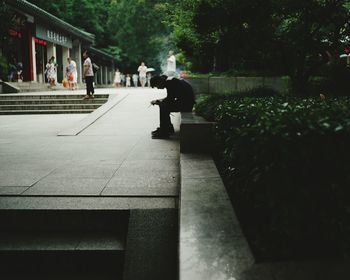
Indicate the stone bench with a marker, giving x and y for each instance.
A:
(196, 134)
(211, 243)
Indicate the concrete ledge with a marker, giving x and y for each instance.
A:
(9, 88)
(93, 117)
(212, 245)
(196, 134)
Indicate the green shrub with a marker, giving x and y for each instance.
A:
(286, 163)
(206, 104)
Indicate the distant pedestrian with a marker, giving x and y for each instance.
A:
(12, 66)
(72, 74)
(117, 78)
(135, 79)
(122, 79)
(142, 74)
(88, 75)
(51, 72)
(149, 76)
(171, 65)
(128, 80)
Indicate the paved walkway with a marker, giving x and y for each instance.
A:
(114, 157)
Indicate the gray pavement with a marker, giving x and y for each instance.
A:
(114, 156)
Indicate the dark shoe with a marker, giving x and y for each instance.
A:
(155, 131)
(170, 130)
(160, 135)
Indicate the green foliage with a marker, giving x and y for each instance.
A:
(6, 22)
(286, 165)
(265, 37)
(206, 105)
(336, 79)
(137, 29)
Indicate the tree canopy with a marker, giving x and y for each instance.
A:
(293, 37)
(131, 30)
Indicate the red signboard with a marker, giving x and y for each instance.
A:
(15, 33)
(40, 42)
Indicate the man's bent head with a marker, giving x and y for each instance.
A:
(158, 81)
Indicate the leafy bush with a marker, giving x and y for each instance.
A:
(286, 163)
(207, 104)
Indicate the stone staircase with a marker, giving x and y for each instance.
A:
(62, 244)
(20, 104)
(13, 87)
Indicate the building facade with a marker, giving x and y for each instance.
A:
(38, 35)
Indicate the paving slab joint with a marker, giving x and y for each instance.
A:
(93, 117)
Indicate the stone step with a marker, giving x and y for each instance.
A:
(63, 230)
(61, 241)
(48, 96)
(62, 244)
(58, 265)
(38, 112)
(52, 101)
(31, 107)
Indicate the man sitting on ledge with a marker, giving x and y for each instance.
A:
(180, 98)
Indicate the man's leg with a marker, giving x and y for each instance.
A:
(164, 116)
(89, 85)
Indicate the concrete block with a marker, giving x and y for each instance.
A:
(212, 245)
(245, 83)
(219, 85)
(196, 134)
(199, 85)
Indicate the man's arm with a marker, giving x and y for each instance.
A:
(86, 68)
(157, 101)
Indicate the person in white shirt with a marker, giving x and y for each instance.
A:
(128, 80)
(117, 78)
(88, 75)
(171, 65)
(142, 74)
(135, 79)
(51, 72)
(72, 74)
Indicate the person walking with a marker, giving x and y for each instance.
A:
(88, 75)
(117, 78)
(142, 74)
(149, 76)
(180, 98)
(128, 80)
(72, 74)
(135, 79)
(51, 72)
(122, 79)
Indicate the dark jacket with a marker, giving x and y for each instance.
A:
(179, 92)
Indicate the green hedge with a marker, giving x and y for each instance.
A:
(286, 163)
(207, 104)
